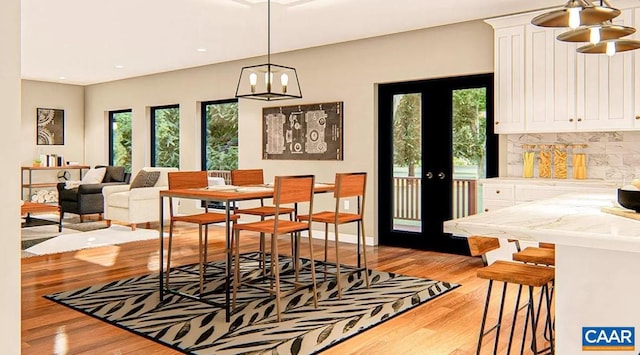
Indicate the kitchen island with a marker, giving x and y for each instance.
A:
(597, 258)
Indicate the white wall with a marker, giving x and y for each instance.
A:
(10, 216)
(345, 72)
(70, 98)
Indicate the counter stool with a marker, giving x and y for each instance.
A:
(511, 272)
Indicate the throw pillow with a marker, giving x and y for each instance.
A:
(94, 176)
(145, 179)
(113, 174)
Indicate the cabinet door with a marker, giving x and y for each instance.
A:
(509, 79)
(550, 81)
(605, 99)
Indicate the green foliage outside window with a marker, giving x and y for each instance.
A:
(167, 126)
(122, 140)
(469, 130)
(406, 132)
(469, 127)
(222, 136)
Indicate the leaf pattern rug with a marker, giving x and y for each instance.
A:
(196, 327)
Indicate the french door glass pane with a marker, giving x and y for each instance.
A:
(469, 148)
(407, 159)
(121, 133)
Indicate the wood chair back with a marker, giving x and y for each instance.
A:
(350, 185)
(480, 246)
(243, 177)
(187, 180)
(293, 189)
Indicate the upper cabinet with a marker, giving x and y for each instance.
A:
(564, 91)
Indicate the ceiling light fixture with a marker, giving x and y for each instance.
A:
(257, 81)
(576, 13)
(590, 23)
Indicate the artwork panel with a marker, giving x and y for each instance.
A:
(49, 126)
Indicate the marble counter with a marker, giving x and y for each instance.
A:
(597, 260)
(572, 219)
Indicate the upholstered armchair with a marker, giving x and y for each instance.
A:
(139, 201)
(85, 197)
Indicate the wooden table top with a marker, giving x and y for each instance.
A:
(33, 207)
(226, 193)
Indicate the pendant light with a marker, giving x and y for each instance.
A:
(610, 47)
(576, 13)
(268, 82)
(596, 33)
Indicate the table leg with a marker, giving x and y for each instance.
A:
(228, 263)
(160, 257)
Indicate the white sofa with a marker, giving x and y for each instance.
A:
(138, 205)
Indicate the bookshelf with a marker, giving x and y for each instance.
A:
(27, 173)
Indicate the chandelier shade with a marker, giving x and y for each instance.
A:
(610, 47)
(576, 13)
(268, 82)
(605, 32)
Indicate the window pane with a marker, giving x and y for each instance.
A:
(121, 139)
(221, 137)
(166, 125)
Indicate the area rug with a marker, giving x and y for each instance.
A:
(195, 327)
(116, 234)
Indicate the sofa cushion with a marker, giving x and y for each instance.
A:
(119, 199)
(145, 179)
(94, 176)
(113, 173)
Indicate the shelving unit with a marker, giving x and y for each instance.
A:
(28, 185)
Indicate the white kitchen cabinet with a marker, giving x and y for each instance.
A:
(564, 91)
(502, 192)
(509, 74)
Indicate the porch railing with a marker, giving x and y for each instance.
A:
(407, 203)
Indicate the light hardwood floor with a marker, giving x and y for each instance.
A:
(446, 325)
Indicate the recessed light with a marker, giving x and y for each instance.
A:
(201, 50)
(119, 66)
(62, 77)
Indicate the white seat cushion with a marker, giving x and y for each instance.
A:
(119, 199)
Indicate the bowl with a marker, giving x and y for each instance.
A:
(629, 199)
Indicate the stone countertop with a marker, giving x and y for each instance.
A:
(572, 219)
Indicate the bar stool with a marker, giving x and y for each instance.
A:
(511, 272)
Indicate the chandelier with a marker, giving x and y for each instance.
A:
(590, 23)
(268, 82)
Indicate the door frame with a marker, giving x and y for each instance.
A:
(443, 242)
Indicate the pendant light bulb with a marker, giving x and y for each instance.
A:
(574, 17)
(253, 80)
(611, 48)
(284, 80)
(594, 35)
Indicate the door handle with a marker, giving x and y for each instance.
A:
(429, 175)
(441, 175)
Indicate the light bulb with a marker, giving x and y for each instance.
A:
(594, 35)
(284, 79)
(611, 48)
(253, 80)
(268, 79)
(574, 17)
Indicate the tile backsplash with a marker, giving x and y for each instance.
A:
(611, 156)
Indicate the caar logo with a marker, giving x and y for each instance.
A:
(608, 338)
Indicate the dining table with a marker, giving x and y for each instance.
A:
(229, 196)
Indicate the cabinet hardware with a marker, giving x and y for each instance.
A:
(497, 191)
(497, 122)
(429, 175)
(637, 117)
(486, 210)
(571, 120)
(579, 119)
(441, 175)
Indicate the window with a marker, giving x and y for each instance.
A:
(120, 139)
(165, 136)
(219, 135)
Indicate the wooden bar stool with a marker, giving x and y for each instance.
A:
(511, 272)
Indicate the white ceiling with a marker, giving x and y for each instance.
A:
(83, 41)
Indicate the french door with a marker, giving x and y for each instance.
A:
(435, 140)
